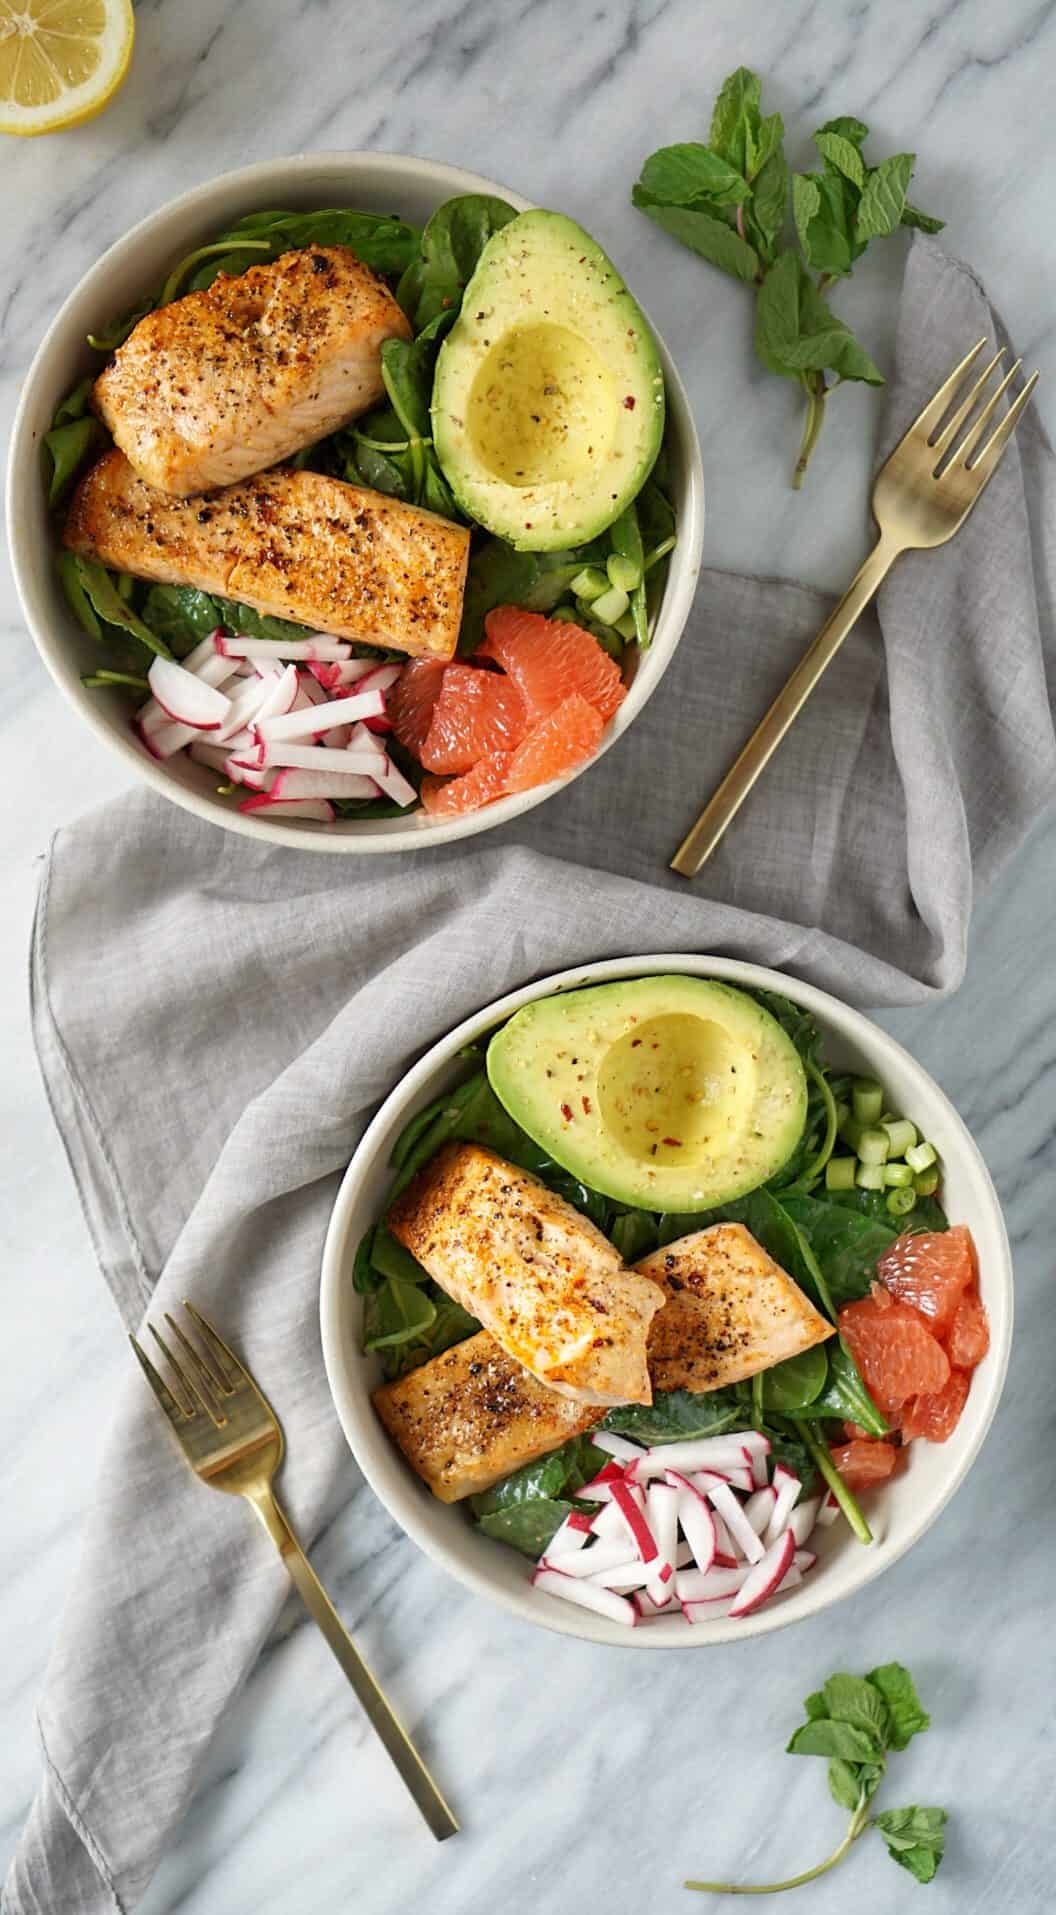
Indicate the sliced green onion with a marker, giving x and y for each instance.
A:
(901, 1202)
(564, 614)
(921, 1156)
(659, 552)
(590, 584)
(902, 1133)
(626, 627)
(850, 1132)
(867, 1098)
(840, 1173)
(898, 1177)
(869, 1176)
(822, 1460)
(873, 1147)
(624, 574)
(843, 1111)
(926, 1182)
(611, 606)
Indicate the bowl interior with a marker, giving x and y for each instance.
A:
(413, 188)
(898, 1514)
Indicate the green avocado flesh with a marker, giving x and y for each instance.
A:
(665, 1093)
(548, 401)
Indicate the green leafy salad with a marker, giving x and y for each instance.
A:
(605, 573)
(825, 1216)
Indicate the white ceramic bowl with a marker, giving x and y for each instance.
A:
(899, 1511)
(388, 181)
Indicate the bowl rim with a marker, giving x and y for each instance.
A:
(397, 1495)
(390, 836)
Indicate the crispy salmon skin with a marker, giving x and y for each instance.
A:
(291, 544)
(473, 1414)
(223, 383)
(546, 1283)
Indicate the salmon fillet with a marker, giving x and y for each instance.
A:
(730, 1311)
(537, 1274)
(471, 1416)
(227, 382)
(291, 544)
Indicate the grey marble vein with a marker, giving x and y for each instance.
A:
(590, 1781)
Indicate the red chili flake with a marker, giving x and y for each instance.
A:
(566, 1112)
(673, 1143)
(585, 1101)
(629, 402)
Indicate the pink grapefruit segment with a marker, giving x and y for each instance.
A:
(477, 713)
(549, 661)
(570, 735)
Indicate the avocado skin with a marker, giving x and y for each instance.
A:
(544, 270)
(568, 1069)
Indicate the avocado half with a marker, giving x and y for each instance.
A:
(665, 1093)
(548, 400)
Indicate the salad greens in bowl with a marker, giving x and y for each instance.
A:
(719, 1168)
(515, 507)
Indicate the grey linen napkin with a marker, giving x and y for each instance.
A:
(216, 1021)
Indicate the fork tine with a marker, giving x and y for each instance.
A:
(225, 1359)
(951, 429)
(173, 1410)
(975, 431)
(928, 419)
(194, 1390)
(214, 1388)
(991, 453)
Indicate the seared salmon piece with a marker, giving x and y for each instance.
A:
(227, 382)
(467, 1418)
(537, 1274)
(291, 544)
(730, 1311)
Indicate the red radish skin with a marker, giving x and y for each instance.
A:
(641, 1535)
(765, 1576)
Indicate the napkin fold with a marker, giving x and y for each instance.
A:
(216, 1021)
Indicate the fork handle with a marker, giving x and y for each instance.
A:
(382, 1719)
(700, 842)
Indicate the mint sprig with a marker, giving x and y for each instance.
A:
(729, 201)
(855, 1723)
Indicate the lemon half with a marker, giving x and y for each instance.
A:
(60, 60)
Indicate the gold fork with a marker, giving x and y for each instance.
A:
(922, 496)
(233, 1441)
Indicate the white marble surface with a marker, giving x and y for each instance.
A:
(589, 1781)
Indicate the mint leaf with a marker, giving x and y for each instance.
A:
(924, 222)
(907, 1714)
(815, 1707)
(915, 1837)
(825, 212)
(681, 175)
(796, 332)
(768, 141)
(884, 196)
(843, 155)
(835, 1739)
(846, 128)
(845, 1784)
(703, 234)
(735, 123)
(854, 1699)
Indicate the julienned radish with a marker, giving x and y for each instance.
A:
(685, 1526)
(240, 707)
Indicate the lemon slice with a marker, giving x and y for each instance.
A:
(60, 60)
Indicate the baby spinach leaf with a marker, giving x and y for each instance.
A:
(789, 1387)
(634, 1235)
(843, 1396)
(384, 243)
(678, 175)
(93, 595)
(364, 1276)
(560, 1474)
(500, 576)
(181, 615)
(674, 1414)
(453, 240)
(906, 1712)
(884, 196)
(108, 338)
(250, 624)
(69, 448)
(527, 1527)
(703, 233)
(396, 1313)
(392, 1260)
